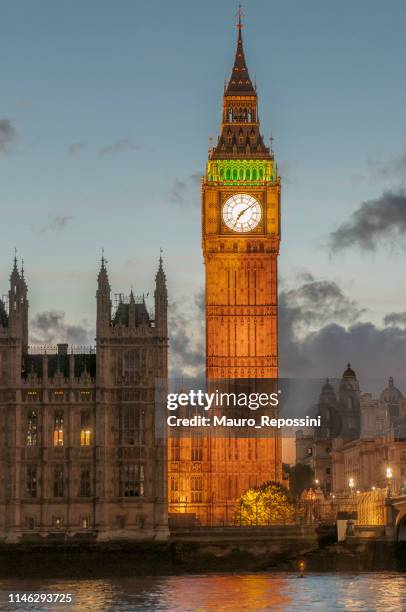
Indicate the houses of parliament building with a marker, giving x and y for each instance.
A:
(79, 450)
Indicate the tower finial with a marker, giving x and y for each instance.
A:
(240, 15)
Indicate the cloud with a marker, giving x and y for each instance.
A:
(8, 136)
(320, 331)
(315, 302)
(56, 224)
(120, 146)
(49, 327)
(186, 333)
(395, 167)
(76, 147)
(373, 222)
(185, 191)
(395, 318)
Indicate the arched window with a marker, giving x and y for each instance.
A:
(228, 174)
(254, 174)
(235, 174)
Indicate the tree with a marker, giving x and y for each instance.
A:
(301, 477)
(267, 504)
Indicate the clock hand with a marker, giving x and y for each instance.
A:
(245, 210)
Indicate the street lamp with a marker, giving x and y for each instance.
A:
(351, 484)
(316, 482)
(388, 478)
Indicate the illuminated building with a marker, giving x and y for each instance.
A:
(241, 235)
(78, 451)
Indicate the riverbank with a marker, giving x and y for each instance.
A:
(187, 553)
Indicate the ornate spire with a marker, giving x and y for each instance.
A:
(15, 275)
(160, 277)
(240, 79)
(103, 278)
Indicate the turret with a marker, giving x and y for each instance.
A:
(18, 306)
(161, 302)
(103, 316)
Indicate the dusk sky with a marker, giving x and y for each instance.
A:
(106, 110)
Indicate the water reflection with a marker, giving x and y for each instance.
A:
(263, 591)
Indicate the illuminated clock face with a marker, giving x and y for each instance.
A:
(242, 213)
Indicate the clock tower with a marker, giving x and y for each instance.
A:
(240, 239)
(241, 235)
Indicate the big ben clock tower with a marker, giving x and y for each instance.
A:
(241, 235)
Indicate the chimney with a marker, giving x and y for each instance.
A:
(63, 349)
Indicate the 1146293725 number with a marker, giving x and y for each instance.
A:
(60, 598)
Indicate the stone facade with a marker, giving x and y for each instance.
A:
(208, 474)
(78, 451)
(360, 438)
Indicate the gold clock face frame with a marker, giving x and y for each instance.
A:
(242, 213)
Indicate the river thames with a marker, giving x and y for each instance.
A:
(231, 592)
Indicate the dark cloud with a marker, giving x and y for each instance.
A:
(8, 136)
(395, 318)
(76, 147)
(56, 223)
(320, 331)
(315, 302)
(120, 146)
(49, 327)
(186, 191)
(372, 223)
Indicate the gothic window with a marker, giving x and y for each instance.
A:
(58, 481)
(235, 174)
(230, 115)
(85, 487)
(174, 489)
(196, 489)
(133, 426)
(32, 428)
(85, 431)
(132, 480)
(175, 449)
(254, 174)
(31, 481)
(131, 365)
(58, 428)
(249, 116)
(197, 448)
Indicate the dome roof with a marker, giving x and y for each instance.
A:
(391, 395)
(327, 391)
(349, 372)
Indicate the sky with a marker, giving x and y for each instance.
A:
(106, 110)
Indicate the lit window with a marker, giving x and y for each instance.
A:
(58, 428)
(85, 522)
(197, 488)
(85, 431)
